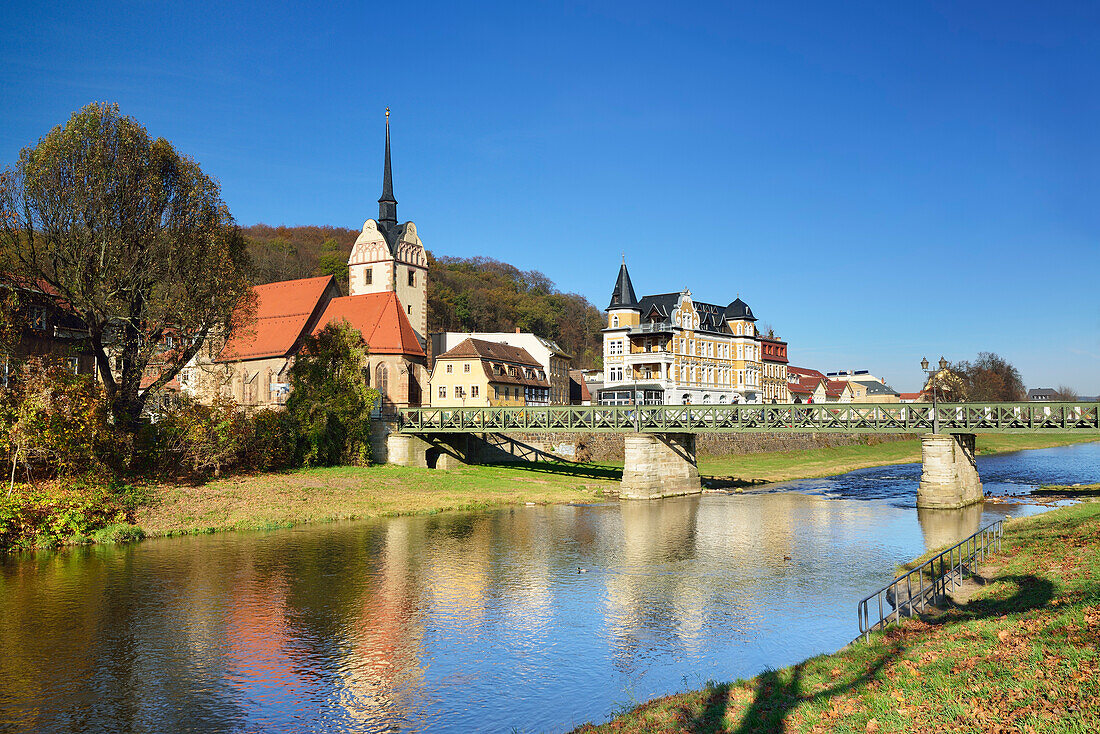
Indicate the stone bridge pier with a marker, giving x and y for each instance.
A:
(659, 465)
(950, 475)
(437, 451)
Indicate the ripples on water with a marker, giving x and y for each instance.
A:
(532, 618)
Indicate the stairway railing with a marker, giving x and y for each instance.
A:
(912, 592)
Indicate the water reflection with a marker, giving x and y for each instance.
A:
(533, 618)
(946, 527)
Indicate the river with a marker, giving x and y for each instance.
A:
(523, 619)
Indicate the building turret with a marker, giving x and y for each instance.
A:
(623, 309)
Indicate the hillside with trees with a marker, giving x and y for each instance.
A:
(464, 294)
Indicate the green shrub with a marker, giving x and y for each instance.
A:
(272, 441)
(44, 517)
(57, 421)
(119, 533)
(330, 402)
(204, 438)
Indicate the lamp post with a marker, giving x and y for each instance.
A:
(931, 379)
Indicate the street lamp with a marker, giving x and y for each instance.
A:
(931, 380)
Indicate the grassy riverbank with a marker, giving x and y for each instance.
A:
(347, 492)
(274, 500)
(1020, 654)
(784, 465)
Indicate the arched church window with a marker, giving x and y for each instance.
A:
(381, 381)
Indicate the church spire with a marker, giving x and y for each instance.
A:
(387, 205)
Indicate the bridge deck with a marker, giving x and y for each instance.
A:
(808, 418)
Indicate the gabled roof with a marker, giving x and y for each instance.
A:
(495, 359)
(379, 318)
(283, 311)
(835, 388)
(578, 387)
(710, 315)
(481, 349)
(802, 387)
(1045, 392)
(801, 372)
(874, 387)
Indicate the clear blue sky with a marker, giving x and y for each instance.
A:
(879, 181)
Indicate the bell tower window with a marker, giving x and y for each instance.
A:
(412, 277)
(368, 276)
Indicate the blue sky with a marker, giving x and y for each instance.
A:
(879, 181)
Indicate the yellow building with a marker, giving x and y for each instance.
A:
(669, 349)
(479, 374)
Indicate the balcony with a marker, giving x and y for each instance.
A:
(654, 357)
(660, 327)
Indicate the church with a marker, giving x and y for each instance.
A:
(387, 302)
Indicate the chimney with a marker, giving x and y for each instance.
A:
(517, 329)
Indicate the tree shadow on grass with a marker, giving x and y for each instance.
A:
(1032, 592)
(776, 695)
(564, 468)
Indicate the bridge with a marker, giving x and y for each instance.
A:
(660, 439)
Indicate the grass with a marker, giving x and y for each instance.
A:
(786, 465)
(1069, 490)
(1020, 654)
(270, 501)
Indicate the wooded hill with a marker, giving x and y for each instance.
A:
(464, 294)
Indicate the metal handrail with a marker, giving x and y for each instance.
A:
(807, 417)
(954, 564)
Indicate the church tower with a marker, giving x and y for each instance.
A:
(388, 256)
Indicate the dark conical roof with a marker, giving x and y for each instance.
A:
(387, 205)
(623, 295)
(739, 310)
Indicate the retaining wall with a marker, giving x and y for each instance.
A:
(608, 447)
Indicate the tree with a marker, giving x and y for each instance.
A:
(991, 378)
(132, 237)
(332, 261)
(1066, 394)
(329, 398)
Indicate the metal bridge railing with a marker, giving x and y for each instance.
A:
(785, 418)
(911, 592)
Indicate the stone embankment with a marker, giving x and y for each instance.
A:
(601, 448)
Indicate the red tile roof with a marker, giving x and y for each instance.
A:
(910, 395)
(801, 372)
(835, 388)
(283, 311)
(381, 320)
(802, 387)
(580, 392)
